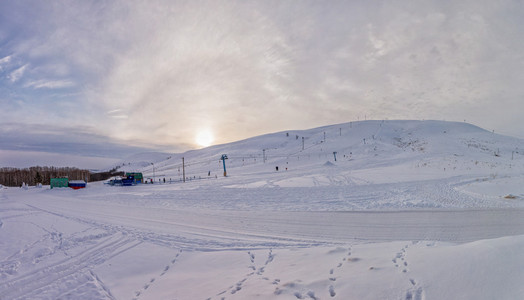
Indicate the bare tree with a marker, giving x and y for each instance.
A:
(37, 174)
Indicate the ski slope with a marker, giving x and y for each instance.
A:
(409, 210)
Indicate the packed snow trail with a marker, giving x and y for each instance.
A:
(207, 228)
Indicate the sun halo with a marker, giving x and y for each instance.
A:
(204, 138)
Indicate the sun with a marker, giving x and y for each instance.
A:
(204, 138)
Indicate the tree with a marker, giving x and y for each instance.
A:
(38, 177)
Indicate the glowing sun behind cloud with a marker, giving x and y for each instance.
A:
(204, 138)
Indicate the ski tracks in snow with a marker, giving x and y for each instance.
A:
(69, 274)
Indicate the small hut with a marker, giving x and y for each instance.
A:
(77, 184)
(59, 182)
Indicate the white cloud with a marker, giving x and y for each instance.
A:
(4, 61)
(114, 111)
(50, 84)
(15, 75)
(117, 114)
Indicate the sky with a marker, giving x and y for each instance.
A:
(101, 80)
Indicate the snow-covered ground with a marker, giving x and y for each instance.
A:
(409, 210)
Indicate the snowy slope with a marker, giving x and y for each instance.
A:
(139, 161)
(366, 144)
(417, 210)
(367, 152)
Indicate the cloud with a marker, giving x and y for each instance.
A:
(161, 71)
(26, 159)
(15, 75)
(65, 140)
(4, 62)
(117, 114)
(50, 84)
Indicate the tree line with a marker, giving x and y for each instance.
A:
(43, 175)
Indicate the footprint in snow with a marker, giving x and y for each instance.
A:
(251, 256)
(416, 294)
(332, 291)
(347, 258)
(270, 257)
(311, 295)
(147, 285)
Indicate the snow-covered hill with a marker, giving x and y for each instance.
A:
(353, 155)
(409, 210)
(365, 144)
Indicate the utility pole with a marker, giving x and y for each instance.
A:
(153, 172)
(264, 155)
(302, 143)
(183, 170)
(223, 159)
